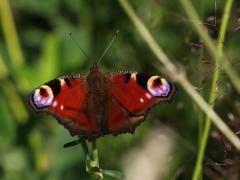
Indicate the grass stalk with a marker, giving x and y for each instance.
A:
(178, 74)
(204, 138)
(211, 48)
(10, 34)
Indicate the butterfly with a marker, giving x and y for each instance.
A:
(97, 104)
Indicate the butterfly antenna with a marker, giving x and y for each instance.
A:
(70, 33)
(108, 46)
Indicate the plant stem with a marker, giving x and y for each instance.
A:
(85, 148)
(95, 152)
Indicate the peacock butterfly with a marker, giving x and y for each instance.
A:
(98, 104)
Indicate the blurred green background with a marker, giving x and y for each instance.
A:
(35, 47)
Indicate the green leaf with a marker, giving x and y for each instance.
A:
(115, 174)
(72, 143)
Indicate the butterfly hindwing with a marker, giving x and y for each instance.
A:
(120, 120)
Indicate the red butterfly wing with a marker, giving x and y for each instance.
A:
(133, 96)
(97, 104)
(66, 99)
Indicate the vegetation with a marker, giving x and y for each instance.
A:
(189, 139)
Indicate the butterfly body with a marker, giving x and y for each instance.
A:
(98, 104)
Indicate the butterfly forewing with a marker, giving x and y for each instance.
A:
(65, 99)
(139, 92)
